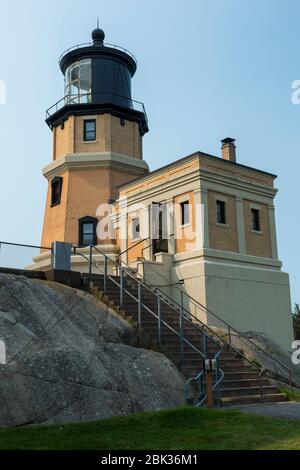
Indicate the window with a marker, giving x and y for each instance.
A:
(185, 212)
(255, 220)
(78, 82)
(56, 188)
(221, 212)
(136, 228)
(88, 231)
(89, 130)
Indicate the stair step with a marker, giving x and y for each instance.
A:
(248, 391)
(253, 399)
(242, 383)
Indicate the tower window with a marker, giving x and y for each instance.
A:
(255, 220)
(78, 82)
(89, 130)
(221, 212)
(88, 231)
(56, 188)
(136, 228)
(185, 212)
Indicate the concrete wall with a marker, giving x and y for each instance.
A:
(249, 296)
(250, 299)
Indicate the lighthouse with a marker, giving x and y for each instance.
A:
(97, 141)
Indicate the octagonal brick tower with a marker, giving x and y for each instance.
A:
(97, 140)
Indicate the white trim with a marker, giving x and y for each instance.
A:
(98, 160)
(240, 221)
(272, 225)
(222, 225)
(228, 257)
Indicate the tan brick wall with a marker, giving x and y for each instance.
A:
(110, 137)
(220, 165)
(159, 179)
(222, 237)
(185, 236)
(257, 244)
(135, 248)
(126, 139)
(55, 217)
(63, 139)
(83, 191)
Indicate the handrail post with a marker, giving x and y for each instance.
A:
(105, 275)
(229, 335)
(159, 320)
(90, 262)
(261, 388)
(204, 340)
(217, 380)
(121, 287)
(291, 380)
(139, 304)
(181, 329)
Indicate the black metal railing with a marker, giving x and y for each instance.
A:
(87, 99)
(137, 294)
(231, 332)
(106, 44)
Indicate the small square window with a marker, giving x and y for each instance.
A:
(89, 130)
(56, 189)
(255, 220)
(185, 212)
(221, 212)
(136, 228)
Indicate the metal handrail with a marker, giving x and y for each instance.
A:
(149, 289)
(106, 44)
(65, 99)
(138, 300)
(26, 246)
(230, 328)
(130, 248)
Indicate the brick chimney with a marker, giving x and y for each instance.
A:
(228, 149)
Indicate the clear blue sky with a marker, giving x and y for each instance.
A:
(207, 70)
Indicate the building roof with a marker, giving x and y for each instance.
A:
(199, 154)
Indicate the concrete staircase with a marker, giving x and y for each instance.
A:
(241, 384)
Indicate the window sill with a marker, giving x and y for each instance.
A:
(55, 204)
(222, 225)
(185, 226)
(90, 141)
(136, 240)
(257, 232)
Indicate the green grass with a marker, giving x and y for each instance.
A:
(292, 396)
(182, 428)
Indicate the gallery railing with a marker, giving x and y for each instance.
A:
(91, 98)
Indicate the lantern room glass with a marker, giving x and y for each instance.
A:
(78, 82)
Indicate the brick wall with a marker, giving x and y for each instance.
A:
(222, 237)
(257, 244)
(185, 236)
(82, 193)
(111, 136)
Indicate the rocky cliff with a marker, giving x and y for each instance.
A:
(70, 359)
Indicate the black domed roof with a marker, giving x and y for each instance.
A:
(98, 36)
